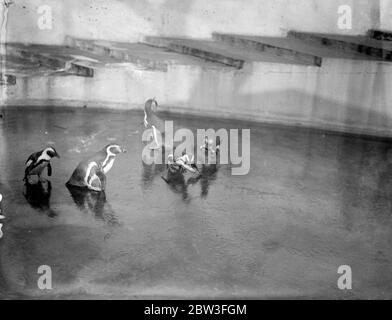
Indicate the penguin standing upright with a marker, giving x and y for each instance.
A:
(151, 120)
(38, 161)
(209, 169)
(177, 167)
(91, 173)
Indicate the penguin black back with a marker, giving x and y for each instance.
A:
(39, 160)
(150, 106)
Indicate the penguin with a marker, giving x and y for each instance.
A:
(91, 173)
(208, 146)
(151, 120)
(177, 167)
(208, 171)
(38, 161)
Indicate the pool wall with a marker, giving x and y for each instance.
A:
(343, 95)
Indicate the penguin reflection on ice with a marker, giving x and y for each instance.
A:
(38, 196)
(153, 166)
(91, 173)
(94, 203)
(149, 172)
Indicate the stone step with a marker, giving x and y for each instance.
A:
(275, 46)
(216, 51)
(50, 58)
(197, 48)
(350, 44)
(113, 50)
(7, 80)
(380, 35)
(25, 68)
(310, 48)
(141, 55)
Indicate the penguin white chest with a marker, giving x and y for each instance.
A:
(145, 119)
(108, 166)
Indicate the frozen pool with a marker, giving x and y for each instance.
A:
(311, 202)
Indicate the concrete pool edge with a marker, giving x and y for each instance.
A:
(383, 133)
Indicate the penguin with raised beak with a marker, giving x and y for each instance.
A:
(151, 120)
(91, 173)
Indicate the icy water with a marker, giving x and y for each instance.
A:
(311, 202)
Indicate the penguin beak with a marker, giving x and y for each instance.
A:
(124, 150)
(57, 155)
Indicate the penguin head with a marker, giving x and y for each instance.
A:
(170, 159)
(114, 149)
(208, 142)
(151, 106)
(185, 157)
(51, 152)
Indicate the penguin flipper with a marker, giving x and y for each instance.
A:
(31, 162)
(49, 170)
(29, 166)
(32, 158)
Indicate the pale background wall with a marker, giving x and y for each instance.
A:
(342, 95)
(386, 14)
(130, 20)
